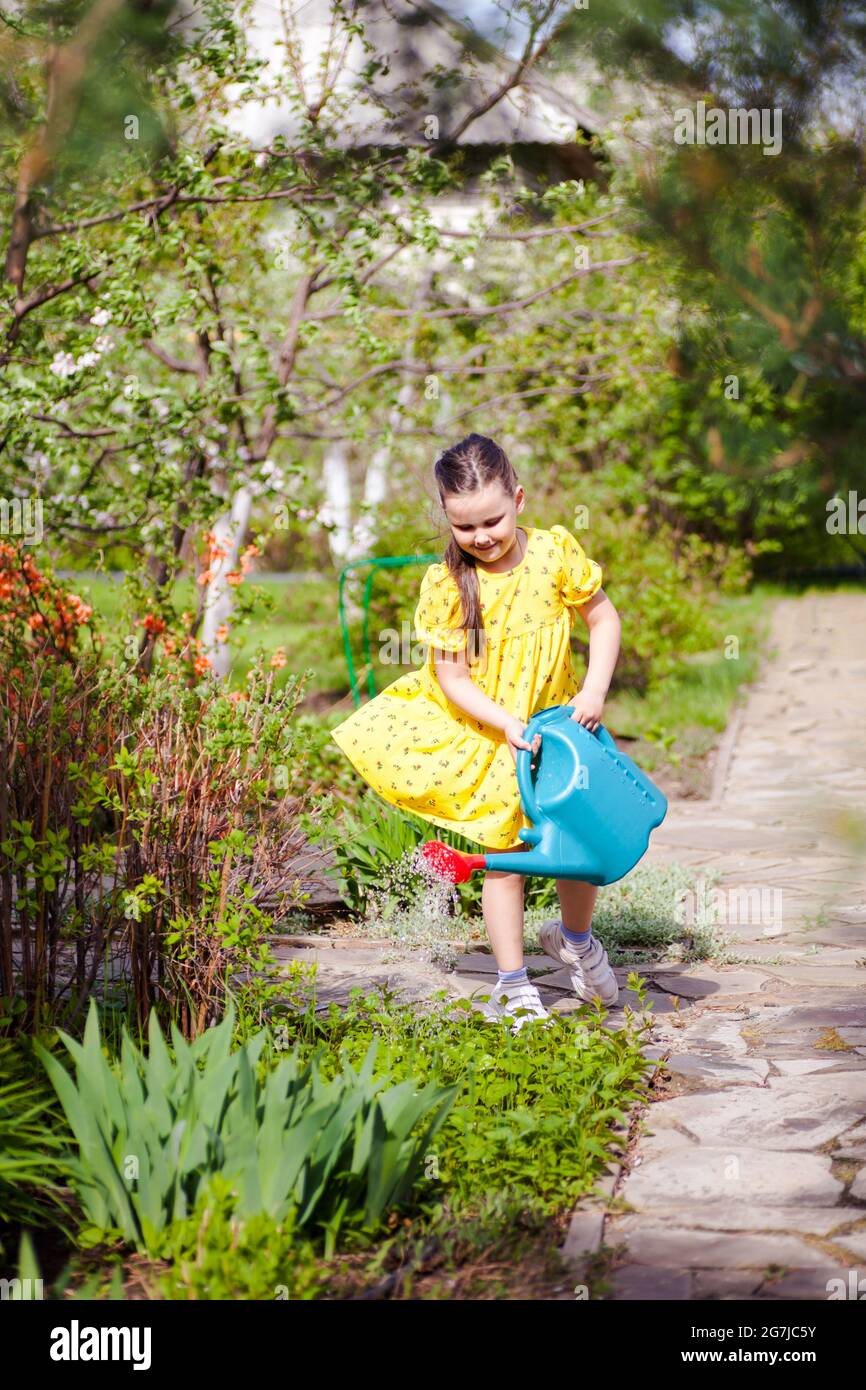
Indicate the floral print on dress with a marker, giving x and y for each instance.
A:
(418, 750)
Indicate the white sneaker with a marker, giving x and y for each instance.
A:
(591, 975)
(522, 1003)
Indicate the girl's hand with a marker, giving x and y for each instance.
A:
(513, 731)
(588, 705)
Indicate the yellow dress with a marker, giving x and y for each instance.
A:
(420, 751)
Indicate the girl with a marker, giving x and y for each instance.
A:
(442, 741)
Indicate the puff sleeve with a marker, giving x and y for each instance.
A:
(579, 576)
(438, 614)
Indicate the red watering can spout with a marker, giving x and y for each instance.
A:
(450, 864)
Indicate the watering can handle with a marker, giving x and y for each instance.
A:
(524, 785)
(524, 778)
(600, 733)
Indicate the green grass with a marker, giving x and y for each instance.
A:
(535, 1121)
(303, 619)
(637, 918)
(687, 712)
(690, 710)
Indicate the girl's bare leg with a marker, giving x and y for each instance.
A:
(576, 903)
(502, 905)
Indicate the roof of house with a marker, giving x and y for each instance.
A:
(436, 66)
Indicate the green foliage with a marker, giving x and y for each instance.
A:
(537, 1114)
(102, 852)
(33, 1169)
(212, 1254)
(649, 916)
(371, 844)
(154, 1130)
(759, 418)
(368, 840)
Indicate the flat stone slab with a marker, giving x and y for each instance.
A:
(829, 1013)
(732, 1215)
(855, 1241)
(584, 1235)
(803, 1285)
(841, 934)
(698, 1173)
(713, 1037)
(802, 1066)
(701, 981)
(725, 1285)
(747, 1071)
(684, 1249)
(831, 976)
(479, 963)
(780, 1115)
(635, 1283)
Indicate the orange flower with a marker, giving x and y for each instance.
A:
(279, 659)
(35, 620)
(201, 665)
(153, 624)
(234, 577)
(237, 695)
(206, 577)
(248, 556)
(81, 609)
(222, 633)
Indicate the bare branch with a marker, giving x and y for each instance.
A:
(173, 198)
(532, 235)
(491, 309)
(167, 360)
(286, 358)
(528, 58)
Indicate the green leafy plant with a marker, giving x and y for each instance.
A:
(214, 1255)
(154, 1130)
(373, 837)
(538, 1114)
(32, 1166)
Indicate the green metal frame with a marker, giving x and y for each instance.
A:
(388, 562)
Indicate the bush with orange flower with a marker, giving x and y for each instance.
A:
(37, 613)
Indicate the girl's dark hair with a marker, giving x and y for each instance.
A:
(466, 467)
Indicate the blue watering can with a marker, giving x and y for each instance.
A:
(591, 807)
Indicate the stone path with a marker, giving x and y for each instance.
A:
(749, 1180)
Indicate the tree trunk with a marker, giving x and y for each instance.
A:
(230, 533)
